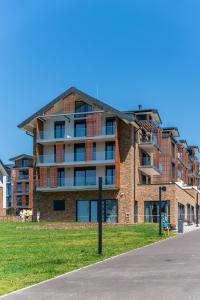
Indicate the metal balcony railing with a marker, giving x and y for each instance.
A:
(77, 157)
(76, 133)
(149, 162)
(146, 139)
(23, 177)
(76, 182)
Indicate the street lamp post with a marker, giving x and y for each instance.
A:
(161, 189)
(100, 217)
(197, 210)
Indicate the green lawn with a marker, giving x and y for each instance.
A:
(28, 255)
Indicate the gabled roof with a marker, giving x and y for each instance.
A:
(85, 96)
(21, 156)
(3, 169)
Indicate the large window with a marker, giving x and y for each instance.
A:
(151, 210)
(59, 129)
(81, 106)
(59, 205)
(24, 163)
(87, 211)
(85, 176)
(27, 187)
(60, 177)
(110, 175)
(110, 126)
(79, 152)
(80, 128)
(27, 201)
(110, 150)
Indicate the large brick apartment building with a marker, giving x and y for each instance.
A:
(77, 138)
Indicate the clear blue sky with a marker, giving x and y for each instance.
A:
(135, 51)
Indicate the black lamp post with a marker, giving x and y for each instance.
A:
(100, 217)
(161, 189)
(197, 210)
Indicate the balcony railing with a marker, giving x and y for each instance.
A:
(23, 177)
(77, 157)
(76, 133)
(145, 139)
(148, 162)
(75, 183)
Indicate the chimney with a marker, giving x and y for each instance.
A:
(139, 106)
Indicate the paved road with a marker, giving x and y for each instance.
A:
(168, 270)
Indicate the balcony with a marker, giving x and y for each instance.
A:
(23, 177)
(149, 144)
(148, 167)
(73, 184)
(80, 159)
(51, 136)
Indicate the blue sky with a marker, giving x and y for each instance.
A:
(134, 51)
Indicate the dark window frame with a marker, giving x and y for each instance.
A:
(61, 129)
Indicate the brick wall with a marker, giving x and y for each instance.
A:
(174, 194)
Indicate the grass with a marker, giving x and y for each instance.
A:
(28, 256)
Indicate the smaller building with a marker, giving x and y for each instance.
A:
(20, 183)
(3, 179)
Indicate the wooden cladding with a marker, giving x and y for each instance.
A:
(69, 104)
(94, 124)
(43, 177)
(53, 177)
(89, 150)
(60, 152)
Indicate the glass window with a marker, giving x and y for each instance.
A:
(80, 128)
(27, 187)
(110, 126)
(110, 150)
(87, 211)
(61, 177)
(19, 187)
(151, 210)
(59, 205)
(59, 129)
(85, 176)
(27, 201)
(81, 106)
(19, 201)
(24, 163)
(79, 152)
(110, 175)
(94, 150)
(83, 211)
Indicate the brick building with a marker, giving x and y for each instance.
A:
(20, 184)
(3, 178)
(77, 138)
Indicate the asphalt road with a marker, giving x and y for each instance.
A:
(167, 270)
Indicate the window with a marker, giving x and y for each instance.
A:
(110, 175)
(60, 177)
(19, 201)
(85, 176)
(81, 106)
(136, 211)
(79, 152)
(94, 151)
(27, 201)
(59, 129)
(87, 211)
(24, 163)
(59, 205)
(173, 171)
(142, 117)
(110, 126)
(27, 187)
(80, 128)
(110, 150)
(23, 174)
(19, 187)
(151, 210)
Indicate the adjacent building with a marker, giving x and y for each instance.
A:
(20, 184)
(3, 178)
(78, 139)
